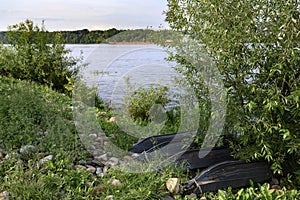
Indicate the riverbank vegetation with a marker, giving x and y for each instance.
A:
(255, 48)
(73, 37)
(36, 122)
(86, 36)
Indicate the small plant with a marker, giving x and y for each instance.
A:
(142, 103)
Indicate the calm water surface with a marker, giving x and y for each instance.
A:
(110, 65)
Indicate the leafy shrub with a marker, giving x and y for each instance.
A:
(36, 57)
(255, 45)
(142, 100)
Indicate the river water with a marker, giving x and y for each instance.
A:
(111, 66)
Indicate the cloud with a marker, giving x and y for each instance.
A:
(48, 19)
(91, 14)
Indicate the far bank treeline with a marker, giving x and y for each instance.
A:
(97, 36)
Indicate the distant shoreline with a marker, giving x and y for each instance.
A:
(133, 43)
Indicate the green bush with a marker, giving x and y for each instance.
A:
(30, 112)
(142, 100)
(255, 45)
(35, 56)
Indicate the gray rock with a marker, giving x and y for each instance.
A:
(4, 195)
(173, 185)
(193, 196)
(106, 143)
(116, 182)
(110, 197)
(46, 159)
(135, 155)
(91, 169)
(93, 136)
(12, 155)
(96, 163)
(98, 152)
(102, 158)
(99, 170)
(105, 170)
(27, 149)
(127, 158)
(112, 162)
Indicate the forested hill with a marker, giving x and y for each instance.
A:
(98, 36)
(77, 37)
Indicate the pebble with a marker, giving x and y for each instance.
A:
(135, 155)
(46, 159)
(279, 191)
(101, 114)
(97, 153)
(110, 197)
(4, 195)
(127, 158)
(193, 196)
(102, 157)
(116, 182)
(93, 136)
(12, 155)
(112, 162)
(90, 169)
(111, 120)
(173, 185)
(96, 163)
(203, 198)
(99, 170)
(106, 143)
(27, 149)
(105, 170)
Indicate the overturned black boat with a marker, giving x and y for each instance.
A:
(174, 149)
(221, 170)
(234, 174)
(156, 142)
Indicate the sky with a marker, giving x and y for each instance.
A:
(84, 14)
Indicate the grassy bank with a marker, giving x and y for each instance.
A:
(38, 117)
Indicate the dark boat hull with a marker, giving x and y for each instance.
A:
(234, 174)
